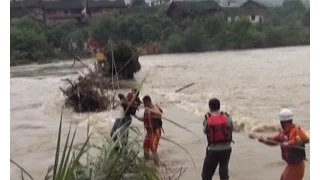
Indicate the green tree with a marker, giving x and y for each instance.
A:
(293, 6)
(134, 35)
(150, 32)
(214, 25)
(122, 25)
(59, 35)
(276, 36)
(306, 19)
(195, 38)
(28, 44)
(103, 29)
(167, 32)
(175, 43)
(78, 37)
(27, 23)
(122, 53)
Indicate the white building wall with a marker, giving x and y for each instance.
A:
(253, 19)
(256, 19)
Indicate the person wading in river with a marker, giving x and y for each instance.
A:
(292, 140)
(218, 127)
(153, 125)
(124, 121)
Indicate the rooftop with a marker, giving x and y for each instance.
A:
(235, 11)
(62, 4)
(108, 4)
(196, 5)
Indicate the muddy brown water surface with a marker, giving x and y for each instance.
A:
(253, 85)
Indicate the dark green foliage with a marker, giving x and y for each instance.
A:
(126, 59)
(175, 43)
(287, 25)
(28, 42)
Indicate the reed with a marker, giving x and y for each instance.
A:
(85, 161)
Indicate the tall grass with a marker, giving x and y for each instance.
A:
(84, 161)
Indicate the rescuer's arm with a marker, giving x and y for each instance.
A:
(138, 118)
(205, 124)
(270, 141)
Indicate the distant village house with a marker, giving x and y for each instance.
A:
(179, 10)
(253, 10)
(52, 11)
(105, 8)
(60, 10)
(257, 11)
(160, 2)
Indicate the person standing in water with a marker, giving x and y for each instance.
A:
(218, 127)
(153, 125)
(292, 140)
(124, 121)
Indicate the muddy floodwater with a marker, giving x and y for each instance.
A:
(253, 85)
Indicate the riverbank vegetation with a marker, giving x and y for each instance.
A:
(286, 25)
(99, 161)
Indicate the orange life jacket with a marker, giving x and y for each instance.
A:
(291, 154)
(219, 129)
(152, 121)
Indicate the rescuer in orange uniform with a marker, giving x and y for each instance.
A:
(293, 140)
(153, 125)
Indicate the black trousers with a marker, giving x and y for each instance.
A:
(212, 160)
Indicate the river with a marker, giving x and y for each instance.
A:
(253, 85)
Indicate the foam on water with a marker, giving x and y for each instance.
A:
(252, 99)
(196, 103)
(253, 85)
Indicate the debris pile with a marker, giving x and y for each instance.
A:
(94, 91)
(87, 94)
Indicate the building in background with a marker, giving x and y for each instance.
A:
(105, 8)
(60, 10)
(231, 9)
(179, 10)
(20, 8)
(257, 11)
(160, 2)
(253, 10)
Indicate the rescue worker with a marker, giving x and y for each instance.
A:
(218, 127)
(153, 125)
(101, 59)
(293, 140)
(124, 121)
